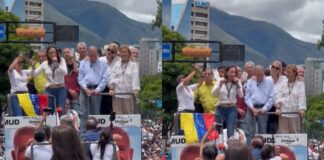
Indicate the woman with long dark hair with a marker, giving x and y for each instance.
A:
(228, 88)
(105, 149)
(55, 69)
(66, 144)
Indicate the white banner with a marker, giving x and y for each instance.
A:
(18, 122)
(286, 139)
(127, 120)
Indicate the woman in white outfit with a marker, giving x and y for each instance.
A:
(279, 81)
(293, 99)
(105, 149)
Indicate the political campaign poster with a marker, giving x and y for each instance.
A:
(293, 145)
(182, 151)
(19, 133)
(129, 127)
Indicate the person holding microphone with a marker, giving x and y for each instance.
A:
(55, 70)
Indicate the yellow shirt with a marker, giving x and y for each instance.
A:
(40, 81)
(204, 95)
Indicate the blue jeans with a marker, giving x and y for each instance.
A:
(88, 105)
(229, 116)
(262, 121)
(60, 97)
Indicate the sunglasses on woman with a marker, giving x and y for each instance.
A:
(109, 50)
(274, 67)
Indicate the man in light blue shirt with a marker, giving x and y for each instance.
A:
(259, 98)
(93, 78)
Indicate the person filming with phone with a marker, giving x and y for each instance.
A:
(18, 78)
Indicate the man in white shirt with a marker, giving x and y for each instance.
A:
(40, 149)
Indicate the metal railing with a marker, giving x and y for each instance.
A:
(177, 122)
(134, 99)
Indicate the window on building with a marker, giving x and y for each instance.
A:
(201, 24)
(203, 15)
(35, 4)
(38, 13)
(201, 32)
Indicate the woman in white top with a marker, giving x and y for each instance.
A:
(55, 69)
(18, 78)
(228, 89)
(110, 59)
(105, 149)
(293, 99)
(279, 82)
(185, 92)
(124, 78)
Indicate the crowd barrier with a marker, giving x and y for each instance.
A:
(133, 97)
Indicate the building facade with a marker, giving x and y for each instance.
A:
(190, 18)
(314, 76)
(34, 12)
(150, 56)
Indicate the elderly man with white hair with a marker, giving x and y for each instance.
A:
(134, 53)
(259, 98)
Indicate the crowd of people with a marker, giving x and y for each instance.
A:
(260, 100)
(151, 139)
(81, 79)
(65, 141)
(82, 84)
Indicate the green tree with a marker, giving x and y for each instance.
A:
(315, 113)
(8, 52)
(320, 43)
(171, 70)
(151, 90)
(157, 22)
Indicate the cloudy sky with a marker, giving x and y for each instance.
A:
(301, 18)
(140, 10)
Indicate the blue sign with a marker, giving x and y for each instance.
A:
(2, 32)
(158, 103)
(166, 51)
(201, 4)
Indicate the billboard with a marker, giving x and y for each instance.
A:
(182, 151)
(19, 132)
(128, 126)
(294, 145)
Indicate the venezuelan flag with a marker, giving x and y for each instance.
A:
(195, 126)
(32, 104)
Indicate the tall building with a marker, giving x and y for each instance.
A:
(27, 10)
(314, 76)
(150, 56)
(189, 17)
(34, 12)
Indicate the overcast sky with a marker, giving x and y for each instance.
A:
(140, 10)
(301, 18)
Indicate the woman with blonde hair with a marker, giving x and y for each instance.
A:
(279, 81)
(124, 79)
(292, 99)
(111, 58)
